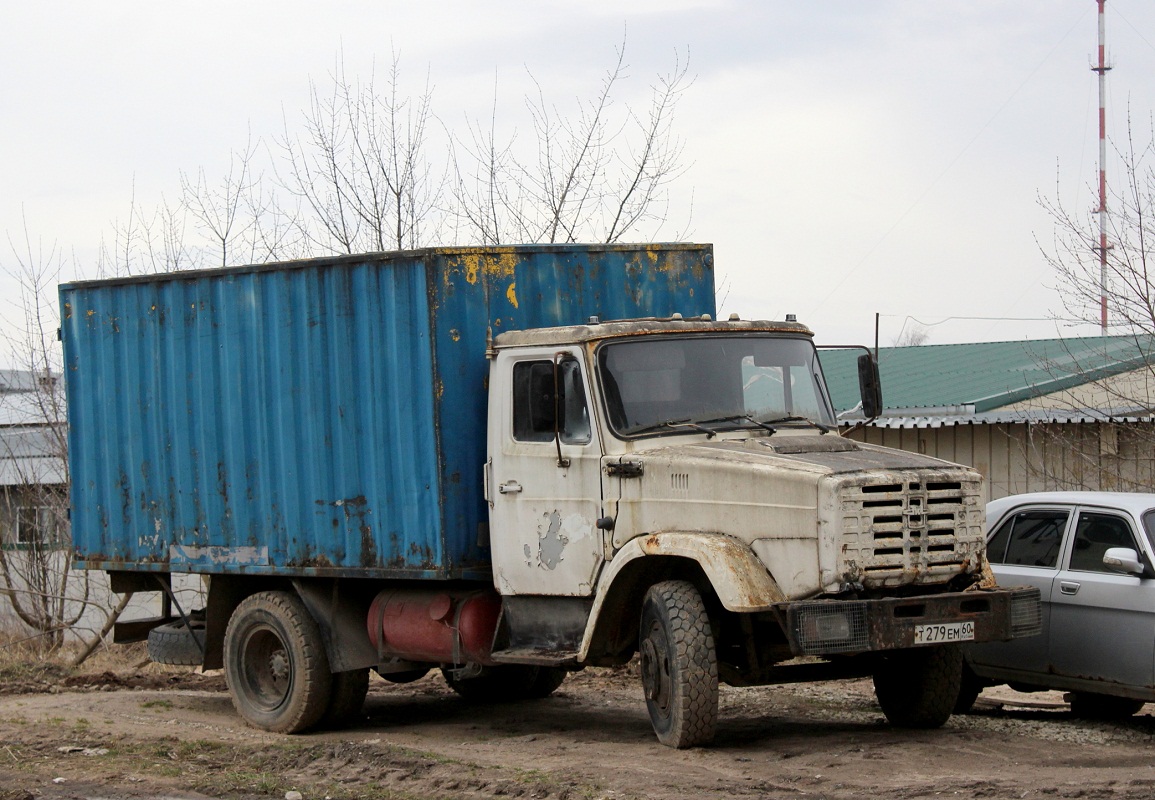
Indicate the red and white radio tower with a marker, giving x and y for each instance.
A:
(1102, 70)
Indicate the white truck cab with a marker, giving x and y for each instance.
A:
(692, 468)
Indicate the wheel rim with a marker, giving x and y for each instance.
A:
(268, 669)
(656, 669)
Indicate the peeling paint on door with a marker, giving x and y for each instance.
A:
(551, 541)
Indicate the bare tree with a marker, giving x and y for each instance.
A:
(146, 241)
(1113, 447)
(360, 166)
(1074, 251)
(912, 335)
(34, 550)
(594, 175)
(220, 210)
(482, 198)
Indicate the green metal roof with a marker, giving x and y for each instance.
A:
(986, 375)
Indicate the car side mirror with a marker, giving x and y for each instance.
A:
(1124, 560)
(869, 386)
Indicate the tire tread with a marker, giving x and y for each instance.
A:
(919, 688)
(312, 679)
(695, 719)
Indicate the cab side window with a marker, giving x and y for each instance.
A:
(537, 404)
(1094, 535)
(1029, 538)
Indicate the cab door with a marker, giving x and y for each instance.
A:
(544, 476)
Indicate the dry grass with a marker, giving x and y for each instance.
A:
(24, 658)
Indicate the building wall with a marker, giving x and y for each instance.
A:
(90, 588)
(1017, 458)
(1127, 390)
(33, 514)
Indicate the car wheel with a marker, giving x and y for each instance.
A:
(1087, 705)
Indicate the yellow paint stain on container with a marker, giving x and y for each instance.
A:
(455, 334)
(490, 262)
(472, 266)
(501, 263)
(511, 294)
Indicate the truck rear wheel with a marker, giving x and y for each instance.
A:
(679, 665)
(346, 698)
(918, 688)
(275, 663)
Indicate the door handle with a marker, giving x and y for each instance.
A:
(1069, 587)
(509, 487)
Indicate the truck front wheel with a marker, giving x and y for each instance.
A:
(918, 688)
(970, 687)
(275, 663)
(679, 665)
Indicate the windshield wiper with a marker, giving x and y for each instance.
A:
(672, 423)
(794, 418)
(735, 418)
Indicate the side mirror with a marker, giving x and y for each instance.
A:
(869, 386)
(1124, 560)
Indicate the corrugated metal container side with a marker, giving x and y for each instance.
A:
(322, 417)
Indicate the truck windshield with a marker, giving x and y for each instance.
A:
(661, 383)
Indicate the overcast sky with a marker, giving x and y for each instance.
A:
(846, 158)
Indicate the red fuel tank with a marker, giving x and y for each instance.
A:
(435, 626)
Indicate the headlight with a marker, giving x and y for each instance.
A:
(831, 627)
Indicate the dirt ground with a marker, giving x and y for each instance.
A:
(136, 735)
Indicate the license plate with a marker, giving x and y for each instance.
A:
(944, 632)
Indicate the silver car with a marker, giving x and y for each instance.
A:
(1092, 556)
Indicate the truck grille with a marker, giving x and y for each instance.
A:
(910, 531)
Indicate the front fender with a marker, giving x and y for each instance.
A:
(739, 579)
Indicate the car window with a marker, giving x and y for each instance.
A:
(1149, 526)
(1096, 533)
(1029, 538)
(541, 391)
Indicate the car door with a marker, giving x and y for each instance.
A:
(1102, 624)
(545, 478)
(1024, 550)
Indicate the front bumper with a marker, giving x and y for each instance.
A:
(829, 627)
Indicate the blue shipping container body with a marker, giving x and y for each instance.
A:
(321, 417)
